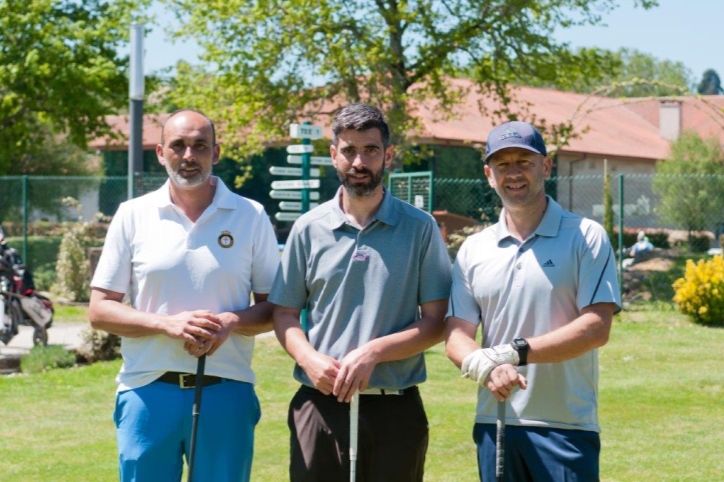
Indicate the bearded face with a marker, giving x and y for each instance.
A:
(362, 181)
(187, 174)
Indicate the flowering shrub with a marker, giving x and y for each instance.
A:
(700, 293)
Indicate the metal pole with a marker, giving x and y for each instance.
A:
(25, 220)
(306, 159)
(135, 142)
(620, 233)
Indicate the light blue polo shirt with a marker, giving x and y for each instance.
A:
(359, 285)
(531, 288)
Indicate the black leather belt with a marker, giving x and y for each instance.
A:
(187, 380)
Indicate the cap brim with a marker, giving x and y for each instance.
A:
(511, 146)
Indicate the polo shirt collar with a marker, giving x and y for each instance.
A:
(386, 213)
(223, 197)
(548, 226)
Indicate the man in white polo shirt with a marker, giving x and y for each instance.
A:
(374, 275)
(542, 283)
(189, 256)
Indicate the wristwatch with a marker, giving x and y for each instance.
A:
(521, 346)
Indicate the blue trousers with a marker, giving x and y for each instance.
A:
(539, 454)
(154, 432)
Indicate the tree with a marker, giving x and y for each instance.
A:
(269, 63)
(688, 184)
(629, 73)
(60, 73)
(710, 84)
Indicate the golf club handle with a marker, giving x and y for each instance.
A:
(200, 368)
(500, 443)
(353, 436)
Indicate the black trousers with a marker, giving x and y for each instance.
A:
(392, 437)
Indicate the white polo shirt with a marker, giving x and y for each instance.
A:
(528, 289)
(173, 265)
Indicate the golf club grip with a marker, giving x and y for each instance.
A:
(500, 443)
(200, 368)
(353, 436)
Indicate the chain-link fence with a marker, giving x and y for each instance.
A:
(29, 199)
(645, 201)
(651, 201)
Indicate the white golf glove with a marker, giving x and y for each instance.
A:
(478, 365)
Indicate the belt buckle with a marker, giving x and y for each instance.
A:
(191, 381)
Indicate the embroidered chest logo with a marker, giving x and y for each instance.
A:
(360, 256)
(225, 239)
(548, 264)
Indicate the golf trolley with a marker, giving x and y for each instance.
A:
(20, 304)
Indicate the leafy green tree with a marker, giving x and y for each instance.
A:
(710, 84)
(269, 63)
(628, 73)
(60, 73)
(689, 182)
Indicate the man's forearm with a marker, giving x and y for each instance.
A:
(255, 319)
(123, 320)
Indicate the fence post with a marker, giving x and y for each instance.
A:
(432, 191)
(620, 233)
(25, 218)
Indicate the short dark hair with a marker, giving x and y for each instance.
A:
(360, 117)
(181, 111)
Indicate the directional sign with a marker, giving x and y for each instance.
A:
(296, 184)
(293, 195)
(313, 160)
(300, 148)
(305, 131)
(291, 171)
(287, 216)
(294, 206)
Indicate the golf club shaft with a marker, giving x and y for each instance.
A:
(195, 413)
(500, 443)
(353, 436)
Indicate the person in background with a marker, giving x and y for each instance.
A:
(190, 256)
(542, 284)
(642, 249)
(374, 275)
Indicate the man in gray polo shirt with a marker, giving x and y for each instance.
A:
(542, 283)
(374, 275)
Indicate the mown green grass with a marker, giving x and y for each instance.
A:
(661, 411)
(76, 313)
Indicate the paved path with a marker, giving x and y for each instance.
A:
(68, 335)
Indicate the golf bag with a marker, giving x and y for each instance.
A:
(20, 304)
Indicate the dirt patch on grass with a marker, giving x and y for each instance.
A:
(640, 280)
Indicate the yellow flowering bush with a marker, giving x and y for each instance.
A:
(700, 293)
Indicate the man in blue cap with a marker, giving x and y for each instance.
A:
(542, 284)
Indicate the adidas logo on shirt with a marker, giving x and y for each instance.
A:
(548, 264)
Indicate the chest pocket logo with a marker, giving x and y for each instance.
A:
(225, 239)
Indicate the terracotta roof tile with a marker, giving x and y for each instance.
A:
(627, 128)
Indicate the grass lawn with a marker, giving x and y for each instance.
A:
(75, 313)
(660, 410)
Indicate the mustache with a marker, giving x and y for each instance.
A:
(362, 170)
(188, 164)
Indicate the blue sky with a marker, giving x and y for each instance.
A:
(690, 31)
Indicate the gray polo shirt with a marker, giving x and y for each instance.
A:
(359, 285)
(528, 289)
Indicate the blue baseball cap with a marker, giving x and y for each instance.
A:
(514, 134)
